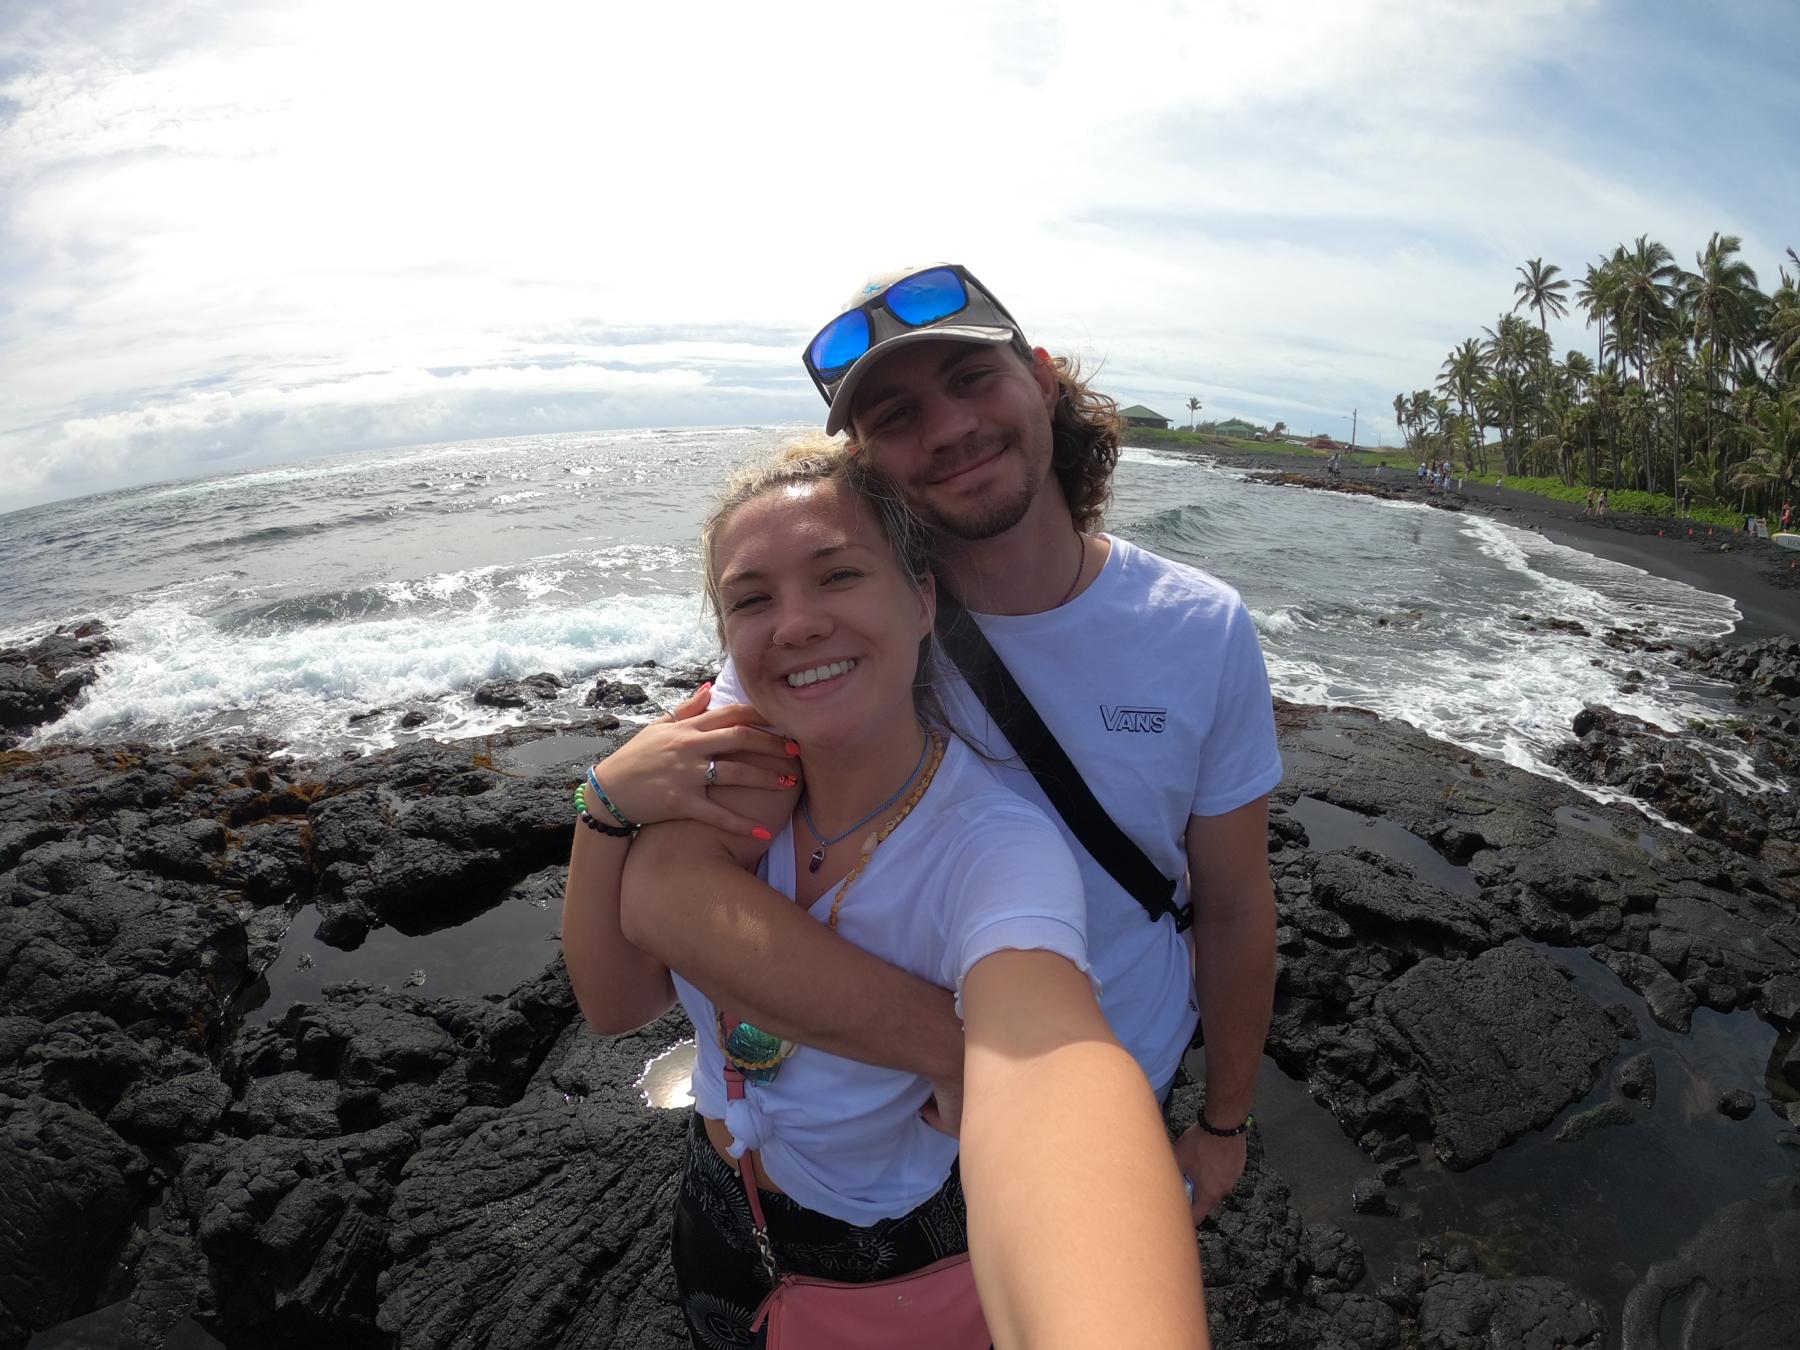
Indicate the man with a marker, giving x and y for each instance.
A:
(1147, 673)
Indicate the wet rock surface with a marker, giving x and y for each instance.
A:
(41, 680)
(1733, 1283)
(522, 693)
(396, 1167)
(1679, 779)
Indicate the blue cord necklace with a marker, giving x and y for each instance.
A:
(818, 854)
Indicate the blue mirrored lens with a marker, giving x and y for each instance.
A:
(926, 297)
(845, 338)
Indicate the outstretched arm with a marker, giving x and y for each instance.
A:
(1234, 983)
(688, 902)
(1077, 1223)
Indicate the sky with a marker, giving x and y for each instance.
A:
(234, 235)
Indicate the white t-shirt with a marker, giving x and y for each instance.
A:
(1153, 683)
(971, 871)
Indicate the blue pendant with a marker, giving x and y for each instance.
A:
(753, 1044)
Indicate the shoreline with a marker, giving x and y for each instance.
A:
(1749, 572)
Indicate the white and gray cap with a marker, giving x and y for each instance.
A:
(981, 318)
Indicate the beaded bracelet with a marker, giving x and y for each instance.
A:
(612, 830)
(1217, 1133)
(607, 801)
(581, 811)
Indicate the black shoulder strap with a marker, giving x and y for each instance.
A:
(1061, 781)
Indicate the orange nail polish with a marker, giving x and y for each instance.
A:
(792, 747)
(760, 833)
(706, 688)
(786, 780)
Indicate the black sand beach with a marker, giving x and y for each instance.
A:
(1762, 578)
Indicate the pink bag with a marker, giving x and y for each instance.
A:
(936, 1306)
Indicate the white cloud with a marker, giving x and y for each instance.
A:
(286, 220)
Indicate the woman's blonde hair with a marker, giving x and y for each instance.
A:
(819, 459)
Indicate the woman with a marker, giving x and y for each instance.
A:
(906, 843)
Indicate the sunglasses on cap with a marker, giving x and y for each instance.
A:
(946, 296)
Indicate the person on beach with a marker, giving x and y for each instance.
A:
(1605, 504)
(1146, 673)
(1787, 515)
(905, 844)
(1587, 507)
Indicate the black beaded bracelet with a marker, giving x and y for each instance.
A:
(1232, 1133)
(615, 831)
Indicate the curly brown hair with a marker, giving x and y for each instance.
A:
(1084, 428)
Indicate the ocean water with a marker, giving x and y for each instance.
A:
(315, 603)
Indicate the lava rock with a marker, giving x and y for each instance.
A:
(614, 694)
(69, 1187)
(1736, 1104)
(539, 688)
(1501, 1043)
(1637, 1079)
(41, 681)
(1369, 1196)
(1466, 1311)
(1732, 1284)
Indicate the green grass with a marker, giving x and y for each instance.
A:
(1625, 500)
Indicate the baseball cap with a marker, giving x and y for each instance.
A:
(934, 302)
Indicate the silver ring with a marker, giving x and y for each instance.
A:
(712, 773)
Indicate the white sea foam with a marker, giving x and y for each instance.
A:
(1276, 622)
(175, 675)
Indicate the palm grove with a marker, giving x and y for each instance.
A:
(1695, 381)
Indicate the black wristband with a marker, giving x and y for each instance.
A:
(1216, 1133)
(615, 831)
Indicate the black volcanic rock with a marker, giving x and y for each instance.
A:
(578, 1172)
(1500, 1044)
(69, 1187)
(426, 835)
(40, 681)
(1733, 1283)
(366, 1169)
(617, 694)
(1469, 1311)
(539, 688)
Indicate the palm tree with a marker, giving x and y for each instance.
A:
(1539, 291)
(1595, 295)
(1774, 467)
(1193, 407)
(1670, 369)
(1647, 281)
(1400, 418)
(1784, 324)
(1461, 380)
(1722, 297)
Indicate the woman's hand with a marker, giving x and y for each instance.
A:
(660, 773)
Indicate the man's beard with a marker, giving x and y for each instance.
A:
(986, 517)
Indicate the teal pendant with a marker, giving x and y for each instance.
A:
(752, 1044)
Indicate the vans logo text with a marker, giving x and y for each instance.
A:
(1133, 719)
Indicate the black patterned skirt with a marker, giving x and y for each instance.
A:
(720, 1277)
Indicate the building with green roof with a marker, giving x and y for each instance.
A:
(1137, 415)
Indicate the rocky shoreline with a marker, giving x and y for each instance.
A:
(383, 1166)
